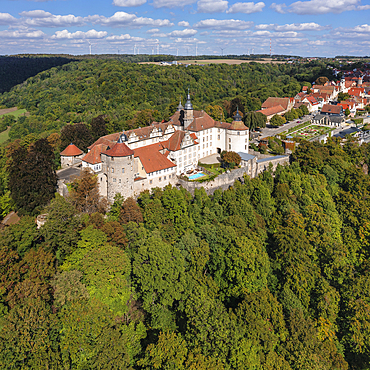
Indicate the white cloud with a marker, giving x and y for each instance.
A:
(247, 8)
(6, 18)
(119, 19)
(183, 24)
(171, 3)
(317, 43)
(224, 24)
(124, 37)
(362, 28)
(40, 18)
(212, 6)
(20, 34)
(292, 27)
(183, 33)
(126, 3)
(153, 30)
(91, 34)
(279, 8)
(320, 6)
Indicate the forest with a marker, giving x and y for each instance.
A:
(272, 273)
(132, 95)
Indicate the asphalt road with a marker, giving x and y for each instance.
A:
(272, 131)
(68, 173)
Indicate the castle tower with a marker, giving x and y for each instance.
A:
(237, 138)
(118, 166)
(188, 112)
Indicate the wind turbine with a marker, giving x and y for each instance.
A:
(158, 47)
(222, 49)
(196, 49)
(90, 44)
(135, 49)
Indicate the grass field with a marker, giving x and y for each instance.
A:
(12, 111)
(4, 136)
(219, 61)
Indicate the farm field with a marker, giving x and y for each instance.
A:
(311, 132)
(12, 111)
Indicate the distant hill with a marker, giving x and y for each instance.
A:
(16, 69)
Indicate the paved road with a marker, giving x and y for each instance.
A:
(272, 131)
(68, 173)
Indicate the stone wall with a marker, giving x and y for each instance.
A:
(225, 180)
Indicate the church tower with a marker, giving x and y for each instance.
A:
(188, 112)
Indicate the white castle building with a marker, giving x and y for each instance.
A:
(154, 156)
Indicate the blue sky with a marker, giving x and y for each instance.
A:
(212, 27)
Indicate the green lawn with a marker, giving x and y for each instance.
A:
(4, 136)
(16, 113)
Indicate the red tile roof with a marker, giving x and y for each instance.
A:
(119, 150)
(71, 151)
(356, 91)
(108, 140)
(93, 156)
(333, 109)
(272, 111)
(152, 159)
(274, 102)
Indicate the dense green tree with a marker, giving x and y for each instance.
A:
(32, 178)
(61, 227)
(78, 134)
(158, 270)
(277, 120)
(255, 119)
(98, 127)
(84, 194)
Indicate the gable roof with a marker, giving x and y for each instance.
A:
(119, 150)
(93, 156)
(108, 140)
(333, 109)
(152, 159)
(273, 102)
(71, 151)
(272, 111)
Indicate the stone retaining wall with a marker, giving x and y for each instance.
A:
(225, 180)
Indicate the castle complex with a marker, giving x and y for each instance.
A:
(153, 156)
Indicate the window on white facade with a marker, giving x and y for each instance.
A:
(114, 179)
(229, 146)
(238, 132)
(165, 178)
(123, 170)
(160, 179)
(119, 180)
(246, 140)
(229, 140)
(112, 170)
(150, 181)
(218, 137)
